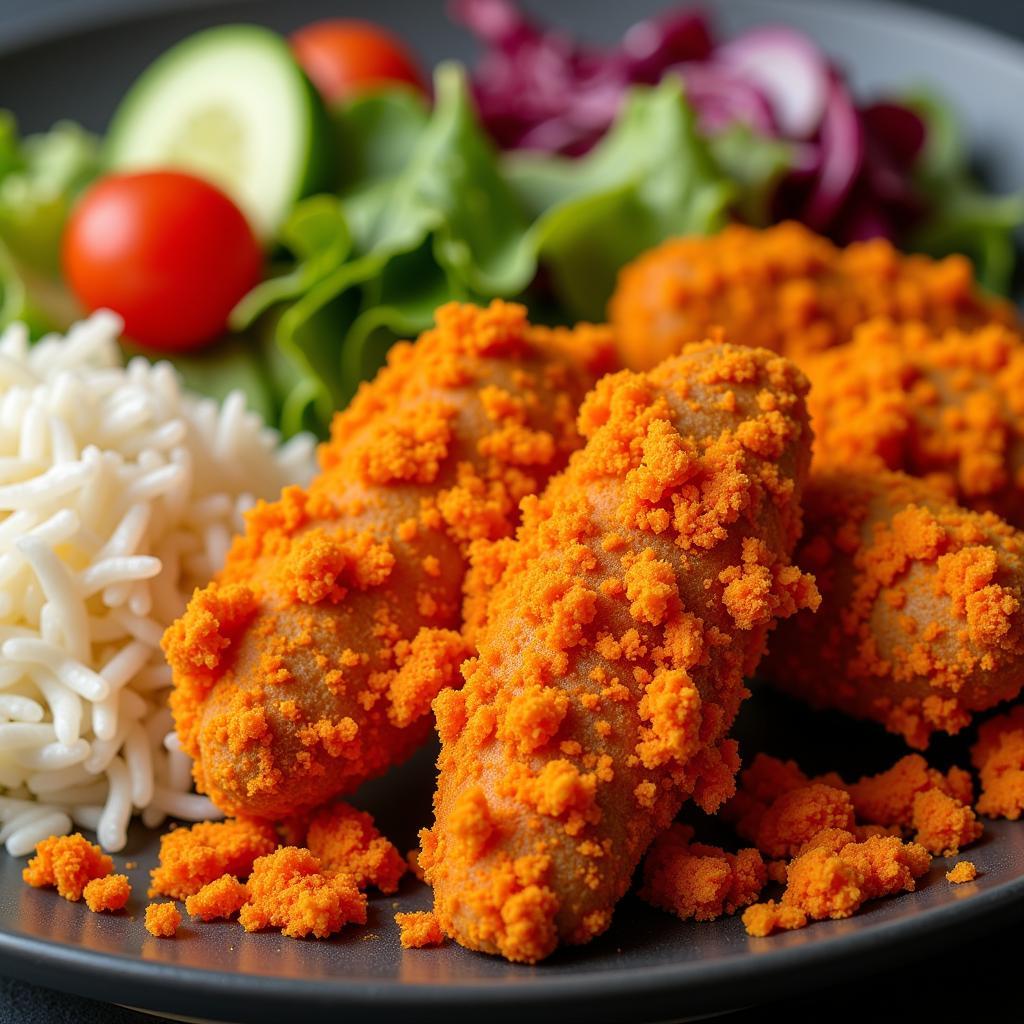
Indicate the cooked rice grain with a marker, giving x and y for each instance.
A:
(119, 494)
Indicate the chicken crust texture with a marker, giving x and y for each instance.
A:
(620, 624)
(921, 622)
(786, 289)
(947, 407)
(308, 665)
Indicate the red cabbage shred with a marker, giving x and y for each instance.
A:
(852, 175)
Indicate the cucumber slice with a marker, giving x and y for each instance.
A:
(230, 105)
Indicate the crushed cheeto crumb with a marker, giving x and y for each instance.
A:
(998, 755)
(222, 897)
(962, 871)
(109, 893)
(795, 817)
(163, 920)
(195, 856)
(419, 929)
(347, 842)
(289, 891)
(68, 863)
(693, 880)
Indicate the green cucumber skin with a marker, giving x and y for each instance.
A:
(320, 165)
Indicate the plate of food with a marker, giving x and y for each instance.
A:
(506, 514)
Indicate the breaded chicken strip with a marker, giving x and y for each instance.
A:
(622, 622)
(785, 289)
(922, 614)
(309, 664)
(948, 406)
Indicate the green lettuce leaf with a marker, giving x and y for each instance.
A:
(649, 178)
(40, 177)
(963, 217)
(756, 165)
(425, 216)
(428, 212)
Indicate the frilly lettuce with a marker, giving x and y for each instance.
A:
(429, 212)
(39, 178)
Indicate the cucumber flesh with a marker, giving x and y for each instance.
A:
(230, 105)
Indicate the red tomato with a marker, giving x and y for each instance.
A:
(343, 57)
(168, 252)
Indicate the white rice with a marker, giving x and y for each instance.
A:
(119, 493)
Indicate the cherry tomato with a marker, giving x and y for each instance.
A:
(167, 251)
(343, 57)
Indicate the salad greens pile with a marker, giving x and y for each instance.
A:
(429, 212)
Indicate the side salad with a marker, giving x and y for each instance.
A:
(273, 213)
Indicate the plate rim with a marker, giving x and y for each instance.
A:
(185, 988)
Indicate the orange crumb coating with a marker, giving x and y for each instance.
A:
(764, 919)
(412, 859)
(963, 871)
(419, 929)
(922, 615)
(288, 890)
(762, 782)
(163, 920)
(347, 842)
(942, 825)
(308, 665)
(784, 812)
(620, 625)
(694, 880)
(109, 893)
(796, 817)
(945, 406)
(193, 857)
(888, 798)
(786, 289)
(68, 863)
(998, 755)
(222, 897)
(834, 875)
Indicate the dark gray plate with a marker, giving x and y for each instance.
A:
(649, 966)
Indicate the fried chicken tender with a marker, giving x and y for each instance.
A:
(948, 406)
(785, 289)
(621, 623)
(309, 664)
(922, 614)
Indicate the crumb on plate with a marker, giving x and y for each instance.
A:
(221, 898)
(288, 890)
(68, 863)
(163, 920)
(109, 893)
(962, 871)
(419, 929)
